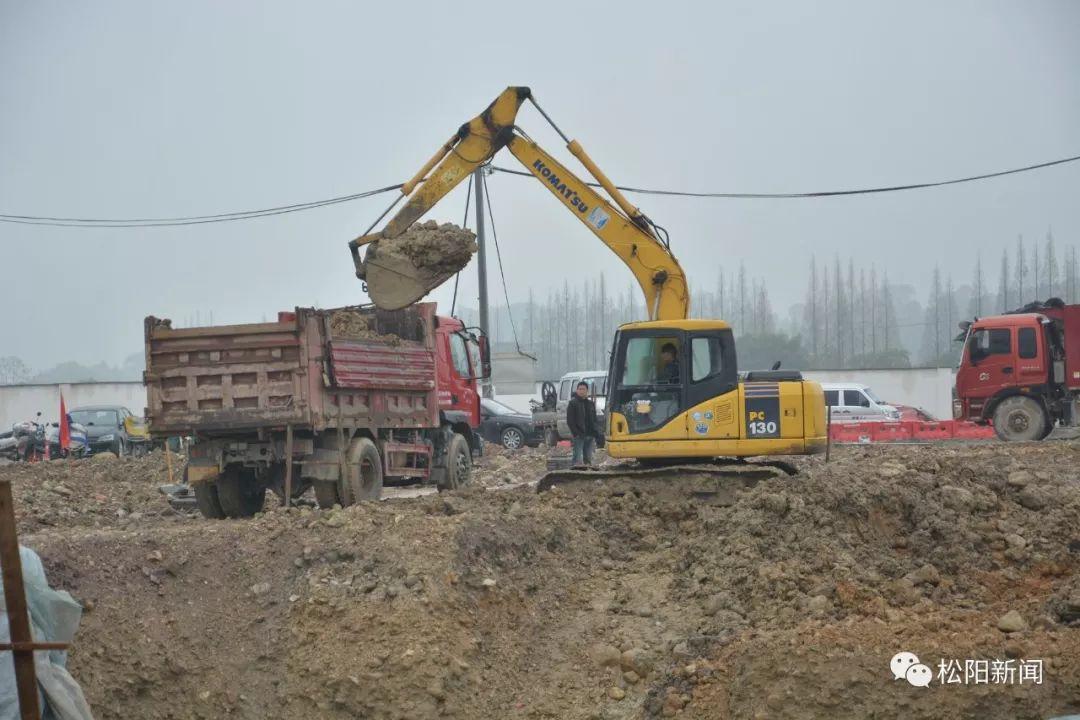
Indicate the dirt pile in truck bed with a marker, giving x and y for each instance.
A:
(787, 601)
(349, 324)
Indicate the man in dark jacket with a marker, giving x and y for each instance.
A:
(581, 419)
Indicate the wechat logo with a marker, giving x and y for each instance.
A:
(905, 665)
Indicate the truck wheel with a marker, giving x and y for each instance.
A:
(512, 438)
(458, 464)
(364, 473)
(240, 492)
(1019, 419)
(206, 499)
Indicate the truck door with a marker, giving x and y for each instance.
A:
(462, 386)
(857, 406)
(1031, 358)
(990, 353)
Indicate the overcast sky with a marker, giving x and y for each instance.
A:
(140, 109)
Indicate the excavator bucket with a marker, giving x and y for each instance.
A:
(394, 282)
(403, 268)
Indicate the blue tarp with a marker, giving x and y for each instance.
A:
(54, 617)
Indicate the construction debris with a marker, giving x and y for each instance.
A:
(787, 602)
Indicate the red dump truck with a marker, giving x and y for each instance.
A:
(341, 400)
(1021, 370)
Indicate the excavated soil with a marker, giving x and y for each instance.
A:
(350, 324)
(434, 249)
(786, 599)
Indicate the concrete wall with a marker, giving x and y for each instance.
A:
(926, 388)
(23, 402)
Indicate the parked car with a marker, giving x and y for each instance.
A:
(506, 426)
(854, 402)
(112, 428)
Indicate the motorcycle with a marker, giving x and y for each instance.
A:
(34, 440)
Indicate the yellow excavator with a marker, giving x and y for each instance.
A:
(674, 391)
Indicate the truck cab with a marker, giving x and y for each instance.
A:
(462, 359)
(1015, 371)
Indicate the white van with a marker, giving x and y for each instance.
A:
(853, 402)
(597, 382)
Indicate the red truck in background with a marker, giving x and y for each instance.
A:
(1021, 370)
(339, 400)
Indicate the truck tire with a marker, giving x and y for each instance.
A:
(206, 499)
(1020, 419)
(240, 492)
(364, 473)
(458, 464)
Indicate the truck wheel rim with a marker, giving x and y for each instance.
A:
(1018, 422)
(512, 439)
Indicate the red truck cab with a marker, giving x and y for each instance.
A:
(461, 359)
(1021, 370)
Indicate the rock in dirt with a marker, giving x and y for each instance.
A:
(1011, 622)
(605, 655)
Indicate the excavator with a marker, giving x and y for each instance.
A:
(675, 397)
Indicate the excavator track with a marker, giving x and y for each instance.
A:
(708, 482)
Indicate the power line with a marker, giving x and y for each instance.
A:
(820, 193)
(498, 254)
(56, 221)
(192, 219)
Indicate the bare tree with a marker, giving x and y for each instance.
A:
(1003, 283)
(1050, 260)
(13, 371)
(1021, 270)
(978, 290)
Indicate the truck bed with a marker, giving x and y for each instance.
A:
(235, 379)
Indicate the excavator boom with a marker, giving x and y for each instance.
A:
(621, 226)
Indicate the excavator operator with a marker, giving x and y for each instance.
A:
(669, 365)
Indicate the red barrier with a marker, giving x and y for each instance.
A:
(972, 431)
(932, 430)
(909, 431)
(891, 432)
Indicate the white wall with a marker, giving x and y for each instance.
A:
(23, 402)
(926, 388)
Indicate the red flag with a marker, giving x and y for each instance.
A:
(65, 428)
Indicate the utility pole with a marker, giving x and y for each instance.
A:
(481, 258)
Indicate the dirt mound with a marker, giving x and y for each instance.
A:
(101, 491)
(787, 601)
(500, 467)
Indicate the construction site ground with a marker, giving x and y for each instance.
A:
(786, 600)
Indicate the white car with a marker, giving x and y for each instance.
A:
(853, 402)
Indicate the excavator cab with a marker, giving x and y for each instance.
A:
(661, 373)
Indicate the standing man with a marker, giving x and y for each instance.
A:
(581, 419)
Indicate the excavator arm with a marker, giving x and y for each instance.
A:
(621, 226)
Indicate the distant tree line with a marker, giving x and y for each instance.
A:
(853, 315)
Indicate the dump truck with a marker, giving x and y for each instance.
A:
(340, 400)
(1021, 370)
